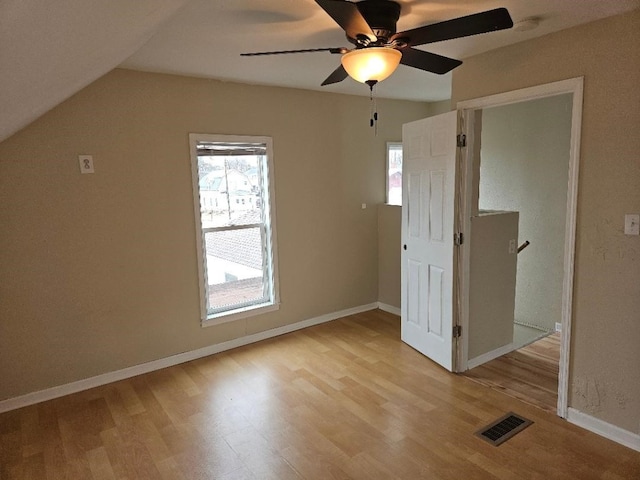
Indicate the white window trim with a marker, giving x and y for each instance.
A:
(207, 319)
(389, 146)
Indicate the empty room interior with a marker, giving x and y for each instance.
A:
(202, 275)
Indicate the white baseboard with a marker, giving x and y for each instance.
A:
(487, 357)
(602, 428)
(389, 308)
(109, 377)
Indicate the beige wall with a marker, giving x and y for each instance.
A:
(389, 237)
(492, 282)
(98, 272)
(605, 354)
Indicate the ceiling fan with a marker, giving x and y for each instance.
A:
(370, 25)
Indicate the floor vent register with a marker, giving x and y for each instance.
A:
(503, 429)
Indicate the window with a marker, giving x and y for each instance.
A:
(394, 173)
(236, 249)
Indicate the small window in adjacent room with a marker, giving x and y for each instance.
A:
(394, 173)
(237, 259)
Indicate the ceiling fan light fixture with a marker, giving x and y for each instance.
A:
(371, 64)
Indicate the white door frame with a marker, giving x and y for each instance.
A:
(467, 110)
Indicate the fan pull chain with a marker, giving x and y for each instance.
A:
(373, 121)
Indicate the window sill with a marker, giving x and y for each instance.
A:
(245, 312)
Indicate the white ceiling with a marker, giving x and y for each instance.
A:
(206, 38)
(51, 50)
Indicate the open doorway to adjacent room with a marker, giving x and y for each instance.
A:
(524, 178)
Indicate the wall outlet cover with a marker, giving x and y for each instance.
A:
(632, 224)
(86, 163)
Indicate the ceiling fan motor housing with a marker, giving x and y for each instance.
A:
(382, 16)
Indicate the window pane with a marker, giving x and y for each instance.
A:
(235, 267)
(394, 174)
(230, 190)
(233, 202)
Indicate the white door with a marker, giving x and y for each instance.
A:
(428, 190)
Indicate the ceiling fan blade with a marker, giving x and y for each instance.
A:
(347, 15)
(338, 75)
(428, 61)
(307, 50)
(484, 22)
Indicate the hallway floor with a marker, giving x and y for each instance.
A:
(529, 374)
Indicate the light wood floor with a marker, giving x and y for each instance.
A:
(530, 373)
(346, 399)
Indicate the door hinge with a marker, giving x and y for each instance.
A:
(457, 331)
(458, 239)
(461, 140)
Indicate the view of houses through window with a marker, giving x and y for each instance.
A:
(237, 258)
(394, 173)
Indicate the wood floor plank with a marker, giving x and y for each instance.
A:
(342, 400)
(529, 374)
(100, 465)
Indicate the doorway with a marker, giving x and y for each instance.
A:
(524, 168)
(524, 165)
(440, 206)
(509, 168)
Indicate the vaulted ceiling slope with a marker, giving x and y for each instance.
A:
(49, 50)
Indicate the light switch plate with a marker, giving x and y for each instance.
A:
(632, 224)
(86, 163)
